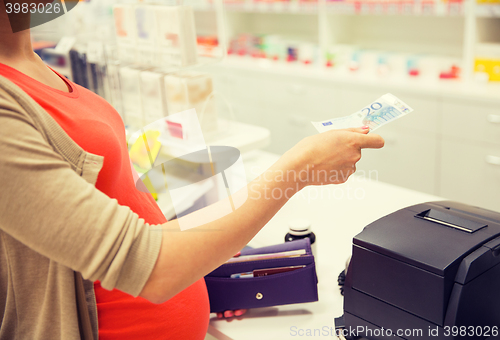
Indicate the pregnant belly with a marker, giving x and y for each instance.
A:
(122, 316)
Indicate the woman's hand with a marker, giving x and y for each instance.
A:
(329, 157)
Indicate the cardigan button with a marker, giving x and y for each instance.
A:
(259, 296)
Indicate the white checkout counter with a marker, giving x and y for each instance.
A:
(337, 213)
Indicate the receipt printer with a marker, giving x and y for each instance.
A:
(429, 271)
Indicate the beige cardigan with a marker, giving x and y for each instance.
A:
(54, 225)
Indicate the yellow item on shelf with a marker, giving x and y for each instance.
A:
(143, 157)
(488, 66)
(144, 154)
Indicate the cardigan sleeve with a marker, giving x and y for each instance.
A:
(48, 207)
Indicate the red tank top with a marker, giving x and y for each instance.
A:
(94, 125)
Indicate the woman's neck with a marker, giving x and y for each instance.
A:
(14, 47)
(16, 51)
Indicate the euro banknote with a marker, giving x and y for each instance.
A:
(382, 111)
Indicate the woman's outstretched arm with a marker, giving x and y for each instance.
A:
(187, 256)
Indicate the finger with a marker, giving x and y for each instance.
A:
(240, 312)
(228, 314)
(220, 315)
(364, 129)
(371, 141)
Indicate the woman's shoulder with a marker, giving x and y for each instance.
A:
(13, 100)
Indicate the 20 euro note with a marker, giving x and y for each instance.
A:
(382, 111)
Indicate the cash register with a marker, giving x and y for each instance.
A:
(429, 271)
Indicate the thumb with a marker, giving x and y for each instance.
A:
(371, 141)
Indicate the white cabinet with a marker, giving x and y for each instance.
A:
(408, 159)
(470, 156)
(470, 172)
(472, 120)
(426, 116)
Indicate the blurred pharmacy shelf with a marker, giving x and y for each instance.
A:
(434, 87)
(395, 8)
(343, 7)
(488, 10)
(451, 29)
(410, 8)
(425, 8)
(261, 6)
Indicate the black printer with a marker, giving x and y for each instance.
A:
(429, 271)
